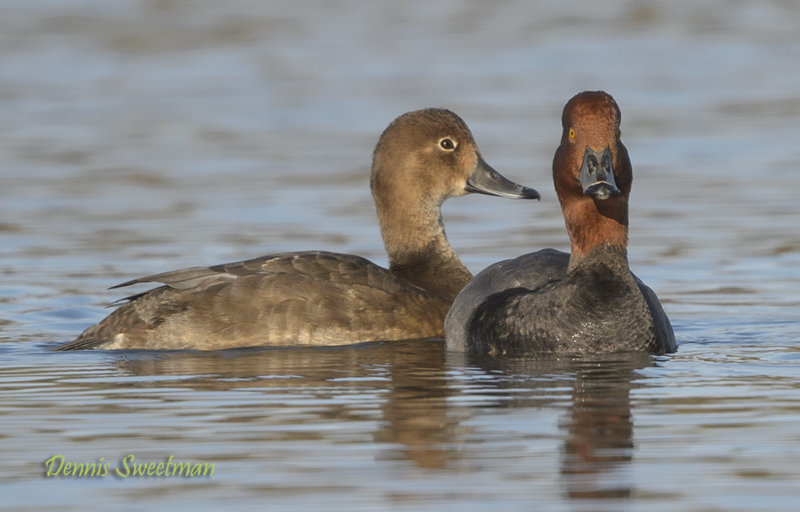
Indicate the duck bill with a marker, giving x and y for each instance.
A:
(597, 174)
(485, 180)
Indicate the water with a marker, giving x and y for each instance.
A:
(151, 135)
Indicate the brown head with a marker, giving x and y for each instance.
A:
(423, 158)
(592, 173)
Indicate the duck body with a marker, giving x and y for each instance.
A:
(323, 298)
(299, 299)
(565, 312)
(584, 302)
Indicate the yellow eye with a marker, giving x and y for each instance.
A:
(571, 133)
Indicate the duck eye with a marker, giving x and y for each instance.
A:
(447, 144)
(571, 133)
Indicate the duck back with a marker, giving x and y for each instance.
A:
(535, 304)
(303, 298)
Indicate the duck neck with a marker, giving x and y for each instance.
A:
(419, 251)
(593, 225)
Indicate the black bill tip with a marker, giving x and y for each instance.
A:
(485, 180)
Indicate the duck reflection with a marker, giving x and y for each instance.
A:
(598, 427)
(600, 433)
(404, 388)
(415, 413)
(400, 384)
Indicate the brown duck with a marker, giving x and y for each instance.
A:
(323, 298)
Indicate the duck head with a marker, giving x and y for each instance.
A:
(429, 155)
(421, 159)
(592, 172)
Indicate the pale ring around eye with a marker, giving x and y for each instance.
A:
(447, 144)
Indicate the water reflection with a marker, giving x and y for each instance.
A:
(415, 410)
(402, 385)
(404, 390)
(382, 418)
(597, 428)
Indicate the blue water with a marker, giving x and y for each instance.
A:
(142, 136)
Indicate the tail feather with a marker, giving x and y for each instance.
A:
(82, 344)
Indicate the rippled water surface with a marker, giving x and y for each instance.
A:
(142, 136)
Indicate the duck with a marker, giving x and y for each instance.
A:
(584, 302)
(321, 298)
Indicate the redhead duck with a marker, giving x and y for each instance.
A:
(324, 298)
(585, 302)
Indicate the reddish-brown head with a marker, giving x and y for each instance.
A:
(592, 173)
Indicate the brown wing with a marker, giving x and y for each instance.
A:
(308, 298)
